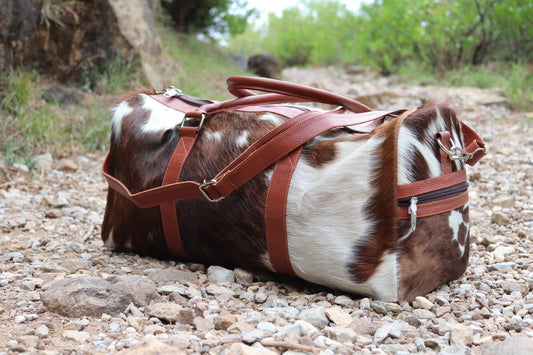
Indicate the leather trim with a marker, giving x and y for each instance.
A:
(172, 173)
(275, 213)
(424, 186)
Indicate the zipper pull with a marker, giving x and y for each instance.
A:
(412, 212)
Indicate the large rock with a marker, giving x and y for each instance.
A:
(266, 65)
(72, 39)
(93, 296)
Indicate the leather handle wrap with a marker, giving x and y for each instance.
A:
(240, 86)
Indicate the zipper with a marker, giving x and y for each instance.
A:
(437, 195)
(428, 197)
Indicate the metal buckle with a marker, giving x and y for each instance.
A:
(200, 125)
(171, 91)
(456, 152)
(202, 190)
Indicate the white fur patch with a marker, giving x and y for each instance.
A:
(326, 218)
(162, 117)
(271, 118)
(242, 140)
(408, 144)
(110, 243)
(213, 136)
(123, 109)
(265, 259)
(455, 220)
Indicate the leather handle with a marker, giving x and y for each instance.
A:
(240, 86)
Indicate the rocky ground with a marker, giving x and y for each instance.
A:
(61, 292)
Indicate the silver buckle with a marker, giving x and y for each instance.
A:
(456, 152)
(202, 190)
(171, 91)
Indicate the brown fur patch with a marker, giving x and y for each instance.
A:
(381, 208)
(429, 257)
(320, 153)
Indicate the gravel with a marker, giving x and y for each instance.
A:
(61, 292)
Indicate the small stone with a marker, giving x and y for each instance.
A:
(77, 336)
(42, 331)
(461, 335)
(203, 324)
(364, 303)
(379, 307)
(260, 297)
(21, 167)
(338, 316)
(422, 302)
(501, 251)
(29, 341)
(223, 322)
(395, 328)
(500, 218)
(325, 342)
(440, 311)
(239, 327)
(423, 313)
(54, 213)
(343, 301)
(20, 319)
(42, 162)
(67, 165)
(171, 312)
(267, 328)
(502, 266)
(242, 276)
(219, 274)
(252, 336)
(298, 329)
(340, 334)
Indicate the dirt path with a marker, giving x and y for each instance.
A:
(50, 222)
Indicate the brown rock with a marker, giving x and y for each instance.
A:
(223, 322)
(171, 313)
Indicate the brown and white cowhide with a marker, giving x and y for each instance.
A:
(341, 222)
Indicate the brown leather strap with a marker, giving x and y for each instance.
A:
(276, 144)
(240, 86)
(433, 208)
(282, 142)
(445, 162)
(275, 213)
(424, 186)
(168, 209)
(474, 144)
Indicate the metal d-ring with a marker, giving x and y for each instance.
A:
(200, 125)
(206, 183)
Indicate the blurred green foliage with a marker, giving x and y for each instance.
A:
(209, 16)
(387, 34)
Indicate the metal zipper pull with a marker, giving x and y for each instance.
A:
(412, 212)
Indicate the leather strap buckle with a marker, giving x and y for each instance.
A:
(200, 125)
(202, 187)
(456, 152)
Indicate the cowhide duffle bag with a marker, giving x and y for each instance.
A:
(369, 202)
